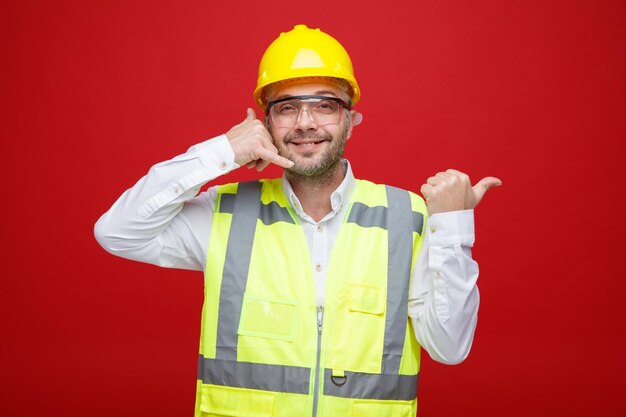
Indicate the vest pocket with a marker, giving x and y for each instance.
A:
(356, 327)
(220, 401)
(367, 299)
(372, 408)
(271, 319)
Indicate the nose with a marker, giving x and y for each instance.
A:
(305, 121)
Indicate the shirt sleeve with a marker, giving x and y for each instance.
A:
(443, 296)
(160, 220)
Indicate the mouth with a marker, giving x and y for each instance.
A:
(306, 143)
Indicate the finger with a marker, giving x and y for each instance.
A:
(483, 185)
(267, 143)
(251, 164)
(457, 173)
(261, 165)
(425, 190)
(434, 180)
(251, 115)
(444, 176)
(274, 158)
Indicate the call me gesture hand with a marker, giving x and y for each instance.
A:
(452, 190)
(252, 144)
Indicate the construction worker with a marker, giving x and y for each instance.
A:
(319, 288)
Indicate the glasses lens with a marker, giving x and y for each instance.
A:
(322, 110)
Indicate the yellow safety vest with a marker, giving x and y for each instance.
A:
(263, 352)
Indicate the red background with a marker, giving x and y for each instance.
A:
(533, 92)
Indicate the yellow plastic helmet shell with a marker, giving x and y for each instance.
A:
(302, 53)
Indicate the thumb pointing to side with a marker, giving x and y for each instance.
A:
(483, 185)
(251, 115)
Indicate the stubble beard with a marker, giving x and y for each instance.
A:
(322, 170)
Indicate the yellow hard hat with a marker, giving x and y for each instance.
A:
(303, 53)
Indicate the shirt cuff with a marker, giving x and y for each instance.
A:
(451, 228)
(216, 152)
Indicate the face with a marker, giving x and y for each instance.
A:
(315, 150)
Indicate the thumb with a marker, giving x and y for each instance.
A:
(251, 115)
(483, 185)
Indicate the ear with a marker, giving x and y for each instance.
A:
(355, 119)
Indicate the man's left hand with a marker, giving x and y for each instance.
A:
(452, 190)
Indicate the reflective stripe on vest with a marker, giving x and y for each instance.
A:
(235, 276)
(294, 379)
(400, 250)
(268, 213)
(372, 386)
(366, 216)
(246, 209)
(280, 378)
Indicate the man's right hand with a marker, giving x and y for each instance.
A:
(253, 146)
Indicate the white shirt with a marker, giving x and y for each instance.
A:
(161, 220)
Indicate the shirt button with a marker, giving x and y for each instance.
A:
(437, 274)
(223, 166)
(318, 268)
(320, 229)
(433, 229)
(177, 189)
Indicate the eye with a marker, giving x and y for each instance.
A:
(286, 108)
(326, 106)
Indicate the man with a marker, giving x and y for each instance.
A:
(319, 288)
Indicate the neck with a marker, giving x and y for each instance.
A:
(314, 192)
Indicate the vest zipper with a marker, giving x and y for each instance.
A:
(320, 316)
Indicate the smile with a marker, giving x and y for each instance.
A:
(307, 144)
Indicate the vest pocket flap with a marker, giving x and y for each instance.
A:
(365, 408)
(218, 401)
(272, 319)
(367, 299)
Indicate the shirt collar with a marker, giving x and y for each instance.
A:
(338, 199)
